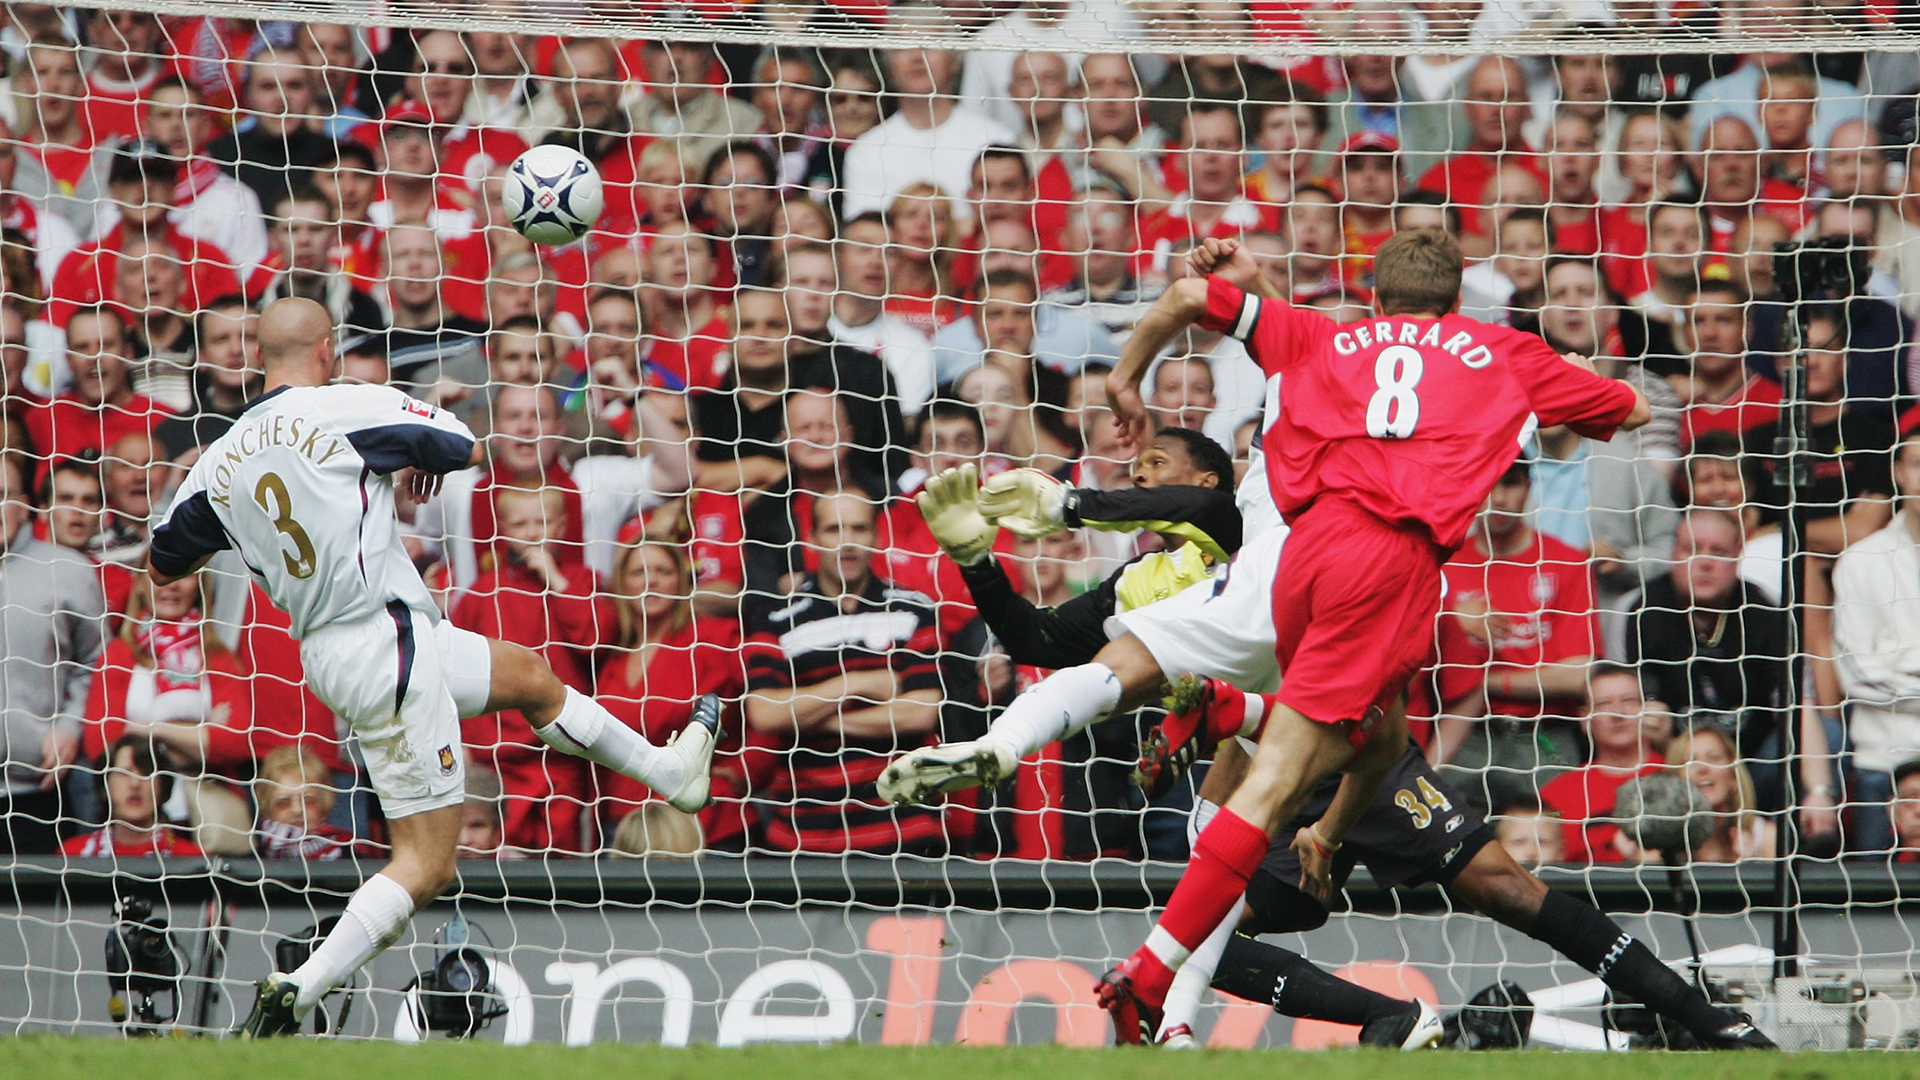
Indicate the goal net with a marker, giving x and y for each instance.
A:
(845, 248)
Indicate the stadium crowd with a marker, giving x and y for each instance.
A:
(823, 276)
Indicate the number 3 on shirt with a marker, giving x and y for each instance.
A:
(1394, 408)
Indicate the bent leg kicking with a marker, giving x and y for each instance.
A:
(573, 723)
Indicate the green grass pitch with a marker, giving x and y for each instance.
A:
(304, 1059)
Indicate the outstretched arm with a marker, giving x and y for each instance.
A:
(1178, 308)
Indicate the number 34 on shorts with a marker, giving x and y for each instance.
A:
(1420, 806)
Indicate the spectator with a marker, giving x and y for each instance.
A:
(294, 791)
(860, 317)
(47, 237)
(1906, 812)
(167, 680)
(1010, 322)
(410, 180)
(866, 379)
(207, 204)
(278, 137)
(1732, 188)
(65, 171)
(740, 186)
(1705, 643)
(1183, 397)
(142, 184)
(126, 54)
(481, 826)
(810, 275)
(1125, 146)
(684, 101)
(1214, 203)
(1287, 132)
(427, 343)
(1713, 765)
(132, 791)
(75, 502)
(686, 328)
(1788, 94)
(1719, 475)
(127, 472)
(1510, 287)
(1723, 394)
(1627, 736)
(532, 592)
(1040, 88)
(740, 424)
(303, 239)
(663, 660)
(1313, 226)
(819, 441)
(842, 708)
(789, 94)
(52, 622)
(921, 240)
(520, 353)
(352, 180)
(1739, 94)
(580, 106)
(657, 830)
(1573, 163)
(1531, 834)
(1101, 237)
(1876, 624)
(1516, 648)
(930, 137)
(1495, 111)
(334, 56)
(1370, 186)
(102, 406)
(991, 72)
(1649, 153)
(1850, 487)
(148, 288)
(853, 100)
(1854, 170)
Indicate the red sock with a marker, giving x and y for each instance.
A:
(1227, 853)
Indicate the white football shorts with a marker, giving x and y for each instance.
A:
(402, 684)
(1221, 628)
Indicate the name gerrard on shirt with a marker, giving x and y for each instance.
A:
(1385, 332)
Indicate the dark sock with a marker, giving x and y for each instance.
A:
(1257, 971)
(1588, 937)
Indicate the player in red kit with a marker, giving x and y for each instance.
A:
(1390, 434)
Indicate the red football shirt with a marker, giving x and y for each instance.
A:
(1411, 418)
(1584, 799)
(1544, 595)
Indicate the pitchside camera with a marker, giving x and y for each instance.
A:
(1832, 268)
(456, 995)
(142, 966)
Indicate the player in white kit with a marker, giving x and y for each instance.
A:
(303, 487)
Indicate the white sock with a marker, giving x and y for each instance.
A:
(1191, 981)
(379, 909)
(1199, 817)
(585, 729)
(1056, 707)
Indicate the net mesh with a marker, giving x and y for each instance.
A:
(848, 247)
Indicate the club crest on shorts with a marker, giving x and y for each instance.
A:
(446, 761)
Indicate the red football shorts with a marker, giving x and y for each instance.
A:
(1354, 603)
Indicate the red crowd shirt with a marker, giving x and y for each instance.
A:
(1463, 179)
(545, 791)
(702, 657)
(1412, 419)
(162, 841)
(1545, 594)
(697, 362)
(85, 276)
(1581, 796)
(1756, 402)
(69, 424)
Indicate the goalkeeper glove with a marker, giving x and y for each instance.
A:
(1028, 501)
(950, 504)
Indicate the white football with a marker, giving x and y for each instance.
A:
(552, 195)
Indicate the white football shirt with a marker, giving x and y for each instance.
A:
(302, 487)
